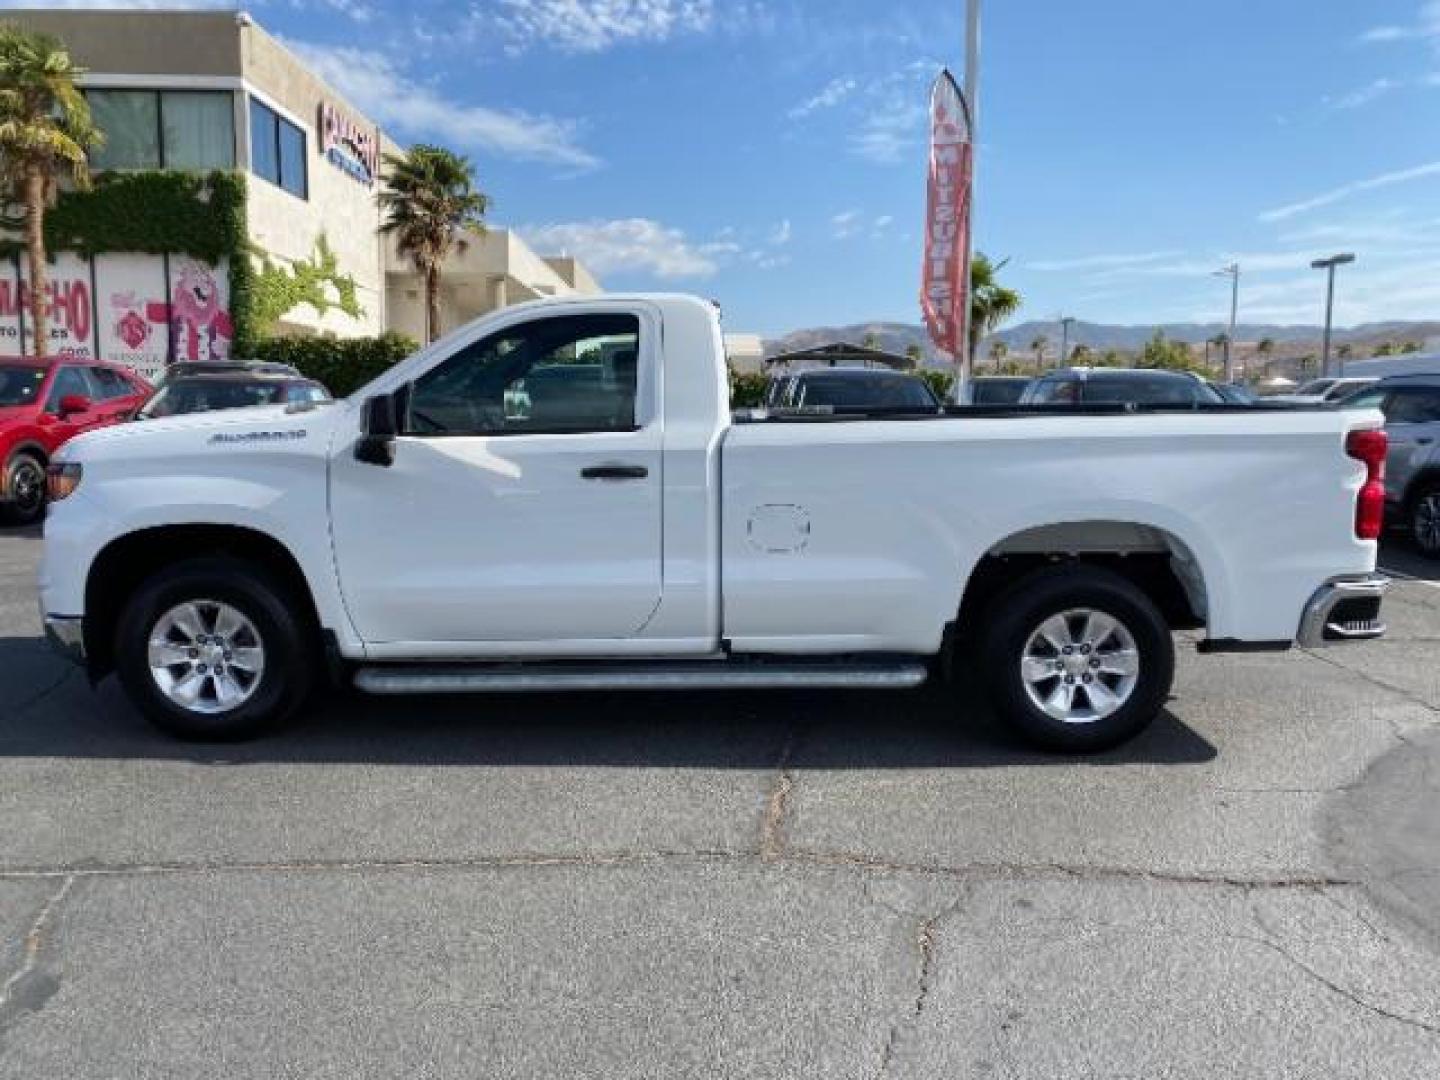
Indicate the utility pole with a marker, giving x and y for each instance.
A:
(1329, 266)
(1233, 273)
(972, 102)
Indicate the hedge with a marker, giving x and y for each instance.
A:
(341, 364)
(747, 391)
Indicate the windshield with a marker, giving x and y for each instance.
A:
(203, 395)
(849, 392)
(1315, 387)
(20, 384)
(1342, 390)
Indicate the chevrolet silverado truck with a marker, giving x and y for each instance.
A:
(558, 497)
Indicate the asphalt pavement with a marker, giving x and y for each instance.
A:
(729, 885)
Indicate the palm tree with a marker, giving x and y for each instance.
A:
(431, 204)
(991, 303)
(914, 353)
(1038, 347)
(45, 130)
(998, 352)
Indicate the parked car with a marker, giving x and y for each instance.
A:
(995, 390)
(1234, 393)
(1411, 404)
(417, 538)
(1119, 386)
(184, 368)
(235, 390)
(851, 389)
(44, 403)
(1326, 391)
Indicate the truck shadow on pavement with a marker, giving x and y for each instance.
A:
(56, 714)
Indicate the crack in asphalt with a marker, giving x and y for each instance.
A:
(13, 995)
(925, 940)
(772, 822)
(1365, 676)
(791, 858)
(36, 698)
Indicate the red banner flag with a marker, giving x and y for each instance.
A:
(945, 291)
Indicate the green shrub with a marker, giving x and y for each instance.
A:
(342, 364)
(939, 381)
(747, 391)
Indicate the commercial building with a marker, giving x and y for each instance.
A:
(171, 258)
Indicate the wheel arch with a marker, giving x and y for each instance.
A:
(1160, 561)
(129, 559)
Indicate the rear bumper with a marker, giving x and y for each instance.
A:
(1342, 610)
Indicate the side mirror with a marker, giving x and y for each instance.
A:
(378, 428)
(73, 403)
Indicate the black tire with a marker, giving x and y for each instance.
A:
(24, 489)
(1423, 520)
(287, 639)
(1018, 613)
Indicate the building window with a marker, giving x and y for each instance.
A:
(199, 130)
(164, 129)
(130, 120)
(277, 149)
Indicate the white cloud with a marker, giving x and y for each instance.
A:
(595, 25)
(887, 133)
(373, 82)
(781, 234)
(1102, 262)
(1366, 94)
(631, 245)
(1343, 192)
(845, 225)
(834, 92)
(1426, 27)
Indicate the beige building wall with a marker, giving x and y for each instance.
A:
(170, 43)
(491, 272)
(339, 206)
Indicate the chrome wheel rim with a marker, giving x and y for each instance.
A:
(1080, 666)
(206, 656)
(1427, 523)
(27, 487)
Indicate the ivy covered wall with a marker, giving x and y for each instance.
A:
(163, 212)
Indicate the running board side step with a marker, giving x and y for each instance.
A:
(711, 675)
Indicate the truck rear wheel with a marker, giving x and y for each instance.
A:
(1077, 658)
(210, 650)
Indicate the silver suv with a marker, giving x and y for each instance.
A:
(1411, 404)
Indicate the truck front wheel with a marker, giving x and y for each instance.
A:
(1077, 658)
(210, 650)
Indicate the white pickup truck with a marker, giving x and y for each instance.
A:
(557, 497)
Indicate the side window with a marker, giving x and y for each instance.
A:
(1053, 391)
(1414, 406)
(575, 373)
(111, 384)
(69, 380)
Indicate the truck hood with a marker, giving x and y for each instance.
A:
(270, 426)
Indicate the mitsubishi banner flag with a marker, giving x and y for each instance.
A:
(946, 280)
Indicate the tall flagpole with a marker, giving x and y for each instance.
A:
(972, 100)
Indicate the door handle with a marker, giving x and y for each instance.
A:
(615, 472)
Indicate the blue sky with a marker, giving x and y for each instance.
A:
(770, 153)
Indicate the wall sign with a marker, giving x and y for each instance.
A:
(348, 146)
(143, 311)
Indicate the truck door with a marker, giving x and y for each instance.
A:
(524, 503)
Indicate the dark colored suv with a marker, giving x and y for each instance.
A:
(851, 390)
(1119, 386)
(1411, 404)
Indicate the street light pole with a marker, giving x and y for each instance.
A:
(1329, 266)
(1065, 321)
(1233, 273)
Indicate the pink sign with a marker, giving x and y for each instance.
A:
(945, 290)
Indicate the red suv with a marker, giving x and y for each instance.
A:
(42, 404)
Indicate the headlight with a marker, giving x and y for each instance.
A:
(61, 480)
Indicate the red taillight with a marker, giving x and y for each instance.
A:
(1368, 448)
